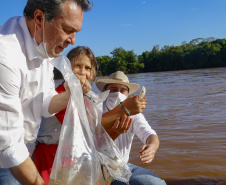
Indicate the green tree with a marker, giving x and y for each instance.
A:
(198, 53)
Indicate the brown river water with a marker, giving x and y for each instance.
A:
(187, 109)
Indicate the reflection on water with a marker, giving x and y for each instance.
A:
(187, 109)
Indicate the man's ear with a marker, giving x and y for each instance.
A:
(39, 18)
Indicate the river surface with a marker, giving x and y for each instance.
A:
(187, 109)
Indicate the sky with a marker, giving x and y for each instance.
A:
(139, 25)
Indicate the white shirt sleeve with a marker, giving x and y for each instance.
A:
(141, 127)
(47, 100)
(13, 151)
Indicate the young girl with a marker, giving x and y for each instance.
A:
(84, 66)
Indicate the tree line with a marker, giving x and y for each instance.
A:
(198, 53)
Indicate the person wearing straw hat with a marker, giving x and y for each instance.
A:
(120, 88)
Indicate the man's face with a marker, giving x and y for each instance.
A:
(118, 88)
(62, 32)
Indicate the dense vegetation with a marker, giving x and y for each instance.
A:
(198, 53)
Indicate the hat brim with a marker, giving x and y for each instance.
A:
(102, 82)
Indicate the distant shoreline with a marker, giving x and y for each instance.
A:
(164, 71)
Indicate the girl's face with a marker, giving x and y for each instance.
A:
(82, 67)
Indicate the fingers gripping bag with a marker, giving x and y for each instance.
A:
(86, 155)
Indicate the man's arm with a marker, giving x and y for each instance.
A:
(59, 102)
(26, 173)
(148, 151)
(13, 151)
(134, 104)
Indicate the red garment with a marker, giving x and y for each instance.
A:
(44, 154)
(60, 115)
(43, 158)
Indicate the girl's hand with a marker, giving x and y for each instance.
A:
(86, 86)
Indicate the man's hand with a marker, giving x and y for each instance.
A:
(120, 126)
(86, 86)
(148, 151)
(134, 104)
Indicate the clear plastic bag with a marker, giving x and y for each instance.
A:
(86, 155)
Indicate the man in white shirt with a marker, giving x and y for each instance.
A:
(27, 91)
(119, 87)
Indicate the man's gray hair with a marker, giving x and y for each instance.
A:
(52, 8)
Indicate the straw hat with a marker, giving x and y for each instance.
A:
(117, 78)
